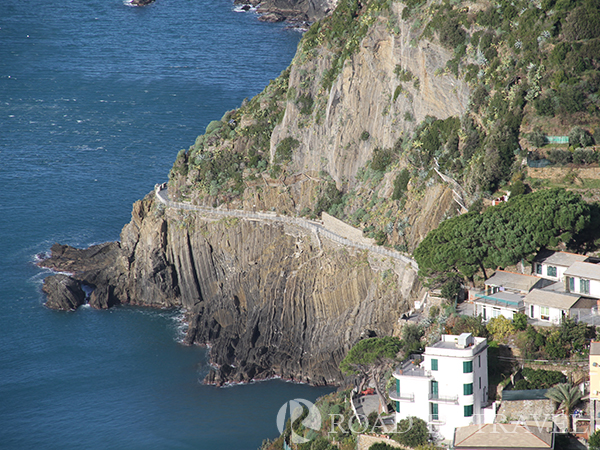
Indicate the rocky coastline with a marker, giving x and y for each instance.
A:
(269, 300)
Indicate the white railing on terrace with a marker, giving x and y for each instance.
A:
(436, 398)
(162, 195)
(401, 397)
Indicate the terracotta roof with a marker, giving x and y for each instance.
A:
(503, 436)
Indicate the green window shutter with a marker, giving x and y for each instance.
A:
(434, 411)
(434, 364)
(467, 366)
(571, 283)
(468, 410)
(397, 406)
(468, 389)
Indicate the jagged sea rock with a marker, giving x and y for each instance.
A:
(63, 292)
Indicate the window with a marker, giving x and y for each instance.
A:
(495, 312)
(468, 389)
(484, 314)
(467, 366)
(479, 382)
(538, 269)
(468, 410)
(544, 313)
(434, 364)
(434, 389)
(434, 412)
(551, 271)
(479, 360)
(570, 284)
(584, 286)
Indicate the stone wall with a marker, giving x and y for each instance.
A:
(343, 229)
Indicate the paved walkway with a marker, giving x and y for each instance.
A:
(162, 194)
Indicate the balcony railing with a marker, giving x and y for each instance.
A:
(407, 368)
(401, 396)
(437, 398)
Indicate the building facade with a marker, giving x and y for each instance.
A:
(447, 388)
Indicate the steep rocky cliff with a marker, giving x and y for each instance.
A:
(330, 134)
(269, 299)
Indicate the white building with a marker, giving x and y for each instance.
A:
(583, 278)
(448, 388)
(552, 265)
(504, 293)
(548, 306)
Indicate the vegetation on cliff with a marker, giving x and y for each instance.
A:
(532, 68)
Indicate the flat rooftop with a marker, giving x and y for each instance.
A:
(502, 299)
(451, 342)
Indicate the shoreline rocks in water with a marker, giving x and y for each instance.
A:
(64, 292)
(141, 2)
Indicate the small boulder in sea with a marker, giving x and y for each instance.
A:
(141, 2)
(272, 17)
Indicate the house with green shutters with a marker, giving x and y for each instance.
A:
(447, 387)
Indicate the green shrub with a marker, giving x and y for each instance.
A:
(536, 138)
(452, 34)
(330, 196)
(560, 157)
(364, 135)
(284, 150)
(583, 156)
(543, 379)
(520, 321)
(451, 288)
(380, 237)
(305, 103)
(578, 137)
(594, 440)
(400, 184)
(522, 385)
(545, 105)
(412, 432)
(382, 158)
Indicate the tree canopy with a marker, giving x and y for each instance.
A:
(370, 351)
(504, 234)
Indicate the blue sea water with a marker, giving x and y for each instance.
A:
(96, 98)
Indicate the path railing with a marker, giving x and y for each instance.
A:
(162, 195)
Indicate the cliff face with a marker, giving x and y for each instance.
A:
(269, 299)
(365, 98)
